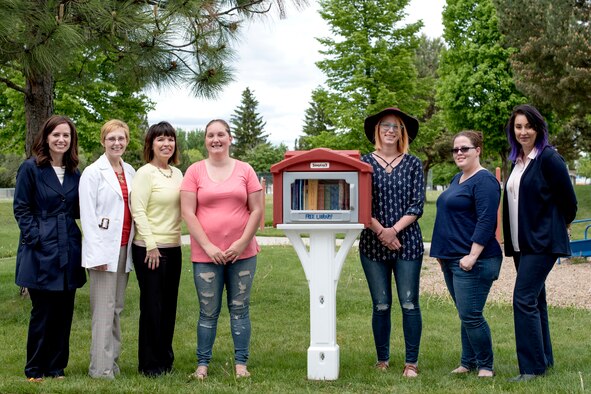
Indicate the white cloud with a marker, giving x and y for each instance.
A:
(276, 59)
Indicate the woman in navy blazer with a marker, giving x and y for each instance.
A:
(538, 205)
(48, 258)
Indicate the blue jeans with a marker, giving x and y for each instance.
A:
(379, 279)
(530, 312)
(469, 290)
(210, 280)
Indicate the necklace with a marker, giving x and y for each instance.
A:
(165, 175)
(120, 177)
(389, 168)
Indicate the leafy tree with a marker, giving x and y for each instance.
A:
(263, 156)
(476, 88)
(90, 105)
(369, 65)
(9, 164)
(137, 43)
(247, 125)
(434, 139)
(317, 120)
(552, 65)
(584, 166)
(192, 147)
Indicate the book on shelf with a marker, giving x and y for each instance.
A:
(320, 194)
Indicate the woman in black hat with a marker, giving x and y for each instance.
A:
(393, 244)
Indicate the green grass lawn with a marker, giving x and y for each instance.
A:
(280, 338)
(9, 230)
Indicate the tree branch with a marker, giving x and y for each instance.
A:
(12, 85)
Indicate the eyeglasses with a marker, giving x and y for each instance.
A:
(385, 127)
(112, 140)
(463, 149)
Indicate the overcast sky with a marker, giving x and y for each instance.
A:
(276, 60)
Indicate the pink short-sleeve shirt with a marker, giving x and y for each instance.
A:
(222, 207)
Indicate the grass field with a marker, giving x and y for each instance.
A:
(280, 318)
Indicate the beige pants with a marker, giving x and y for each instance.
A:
(107, 296)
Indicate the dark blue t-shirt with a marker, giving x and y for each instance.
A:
(467, 213)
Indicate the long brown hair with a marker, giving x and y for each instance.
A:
(40, 147)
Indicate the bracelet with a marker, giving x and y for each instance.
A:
(380, 233)
(396, 231)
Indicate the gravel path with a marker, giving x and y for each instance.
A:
(567, 285)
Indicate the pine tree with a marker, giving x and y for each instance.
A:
(317, 120)
(247, 125)
(142, 43)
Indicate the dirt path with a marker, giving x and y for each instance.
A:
(567, 285)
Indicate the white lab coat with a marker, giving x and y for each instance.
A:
(101, 198)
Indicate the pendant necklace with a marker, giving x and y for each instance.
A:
(165, 175)
(388, 167)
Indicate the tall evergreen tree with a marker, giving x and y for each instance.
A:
(552, 65)
(476, 89)
(554, 41)
(317, 120)
(148, 42)
(369, 64)
(248, 126)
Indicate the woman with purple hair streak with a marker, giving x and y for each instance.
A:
(538, 206)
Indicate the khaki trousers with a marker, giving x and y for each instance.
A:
(107, 297)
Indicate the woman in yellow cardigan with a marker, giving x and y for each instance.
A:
(156, 250)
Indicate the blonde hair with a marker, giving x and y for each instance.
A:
(112, 125)
(403, 142)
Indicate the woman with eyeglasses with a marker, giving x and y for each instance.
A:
(538, 205)
(106, 221)
(465, 246)
(393, 244)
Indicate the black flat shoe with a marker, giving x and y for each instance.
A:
(522, 378)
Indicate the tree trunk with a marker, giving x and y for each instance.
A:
(38, 105)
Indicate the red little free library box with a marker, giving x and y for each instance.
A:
(322, 186)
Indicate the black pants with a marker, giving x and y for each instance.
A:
(158, 298)
(530, 312)
(48, 341)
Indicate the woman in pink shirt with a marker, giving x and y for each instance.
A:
(221, 203)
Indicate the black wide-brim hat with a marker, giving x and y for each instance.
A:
(411, 124)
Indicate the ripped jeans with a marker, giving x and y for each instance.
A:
(379, 279)
(210, 280)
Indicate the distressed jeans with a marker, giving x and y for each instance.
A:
(469, 290)
(379, 279)
(210, 280)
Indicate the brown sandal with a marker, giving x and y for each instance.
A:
(382, 365)
(410, 371)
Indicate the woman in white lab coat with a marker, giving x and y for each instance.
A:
(107, 225)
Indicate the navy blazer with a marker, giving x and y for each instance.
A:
(547, 204)
(49, 251)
